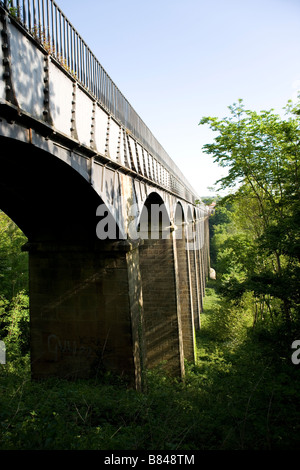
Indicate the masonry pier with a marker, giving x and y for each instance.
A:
(72, 149)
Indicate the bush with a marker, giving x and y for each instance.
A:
(242, 394)
(14, 325)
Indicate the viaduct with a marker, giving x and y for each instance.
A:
(117, 238)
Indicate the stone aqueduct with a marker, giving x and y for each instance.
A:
(118, 244)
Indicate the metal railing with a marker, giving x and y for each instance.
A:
(45, 21)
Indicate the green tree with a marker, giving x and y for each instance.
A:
(14, 300)
(13, 262)
(14, 325)
(261, 152)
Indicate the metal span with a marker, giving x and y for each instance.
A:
(45, 22)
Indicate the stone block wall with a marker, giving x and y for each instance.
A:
(80, 303)
(163, 334)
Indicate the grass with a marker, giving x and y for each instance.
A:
(243, 394)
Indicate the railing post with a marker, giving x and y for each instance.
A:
(47, 23)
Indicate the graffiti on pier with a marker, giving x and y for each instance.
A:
(58, 347)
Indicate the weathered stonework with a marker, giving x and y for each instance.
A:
(124, 300)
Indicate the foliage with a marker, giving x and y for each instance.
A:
(241, 395)
(14, 11)
(14, 325)
(13, 262)
(14, 300)
(258, 247)
(230, 321)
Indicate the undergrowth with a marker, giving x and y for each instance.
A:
(242, 394)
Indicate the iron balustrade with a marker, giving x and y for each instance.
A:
(47, 24)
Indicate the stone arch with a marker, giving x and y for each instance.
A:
(47, 198)
(184, 282)
(190, 214)
(161, 308)
(196, 273)
(81, 315)
(194, 214)
(154, 222)
(179, 214)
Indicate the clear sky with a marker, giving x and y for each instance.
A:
(179, 60)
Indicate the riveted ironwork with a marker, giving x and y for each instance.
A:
(45, 22)
(9, 89)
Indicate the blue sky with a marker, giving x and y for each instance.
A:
(179, 60)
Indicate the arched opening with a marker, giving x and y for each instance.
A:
(161, 308)
(154, 223)
(45, 197)
(14, 295)
(183, 257)
(80, 311)
(195, 270)
(199, 224)
(13, 261)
